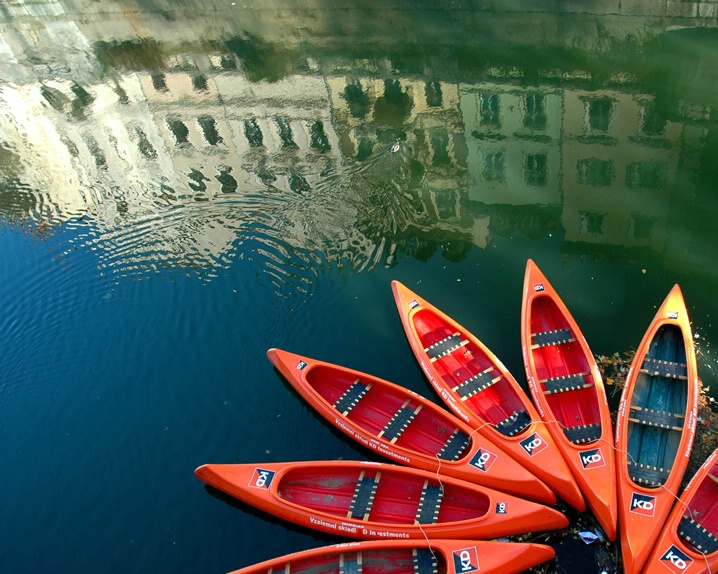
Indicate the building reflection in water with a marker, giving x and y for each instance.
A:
(190, 154)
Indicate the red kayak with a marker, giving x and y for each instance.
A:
(437, 556)
(568, 391)
(476, 386)
(368, 500)
(688, 543)
(405, 427)
(655, 427)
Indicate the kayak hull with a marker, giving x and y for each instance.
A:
(655, 428)
(478, 388)
(567, 389)
(410, 557)
(367, 500)
(404, 427)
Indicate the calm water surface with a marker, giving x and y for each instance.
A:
(186, 184)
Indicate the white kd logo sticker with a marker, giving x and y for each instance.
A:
(643, 504)
(466, 560)
(533, 444)
(483, 459)
(675, 560)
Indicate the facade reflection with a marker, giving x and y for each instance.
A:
(178, 148)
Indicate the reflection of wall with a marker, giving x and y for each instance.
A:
(514, 143)
(620, 160)
(202, 127)
(224, 130)
(370, 111)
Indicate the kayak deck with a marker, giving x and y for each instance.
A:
(656, 416)
(467, 370)
(380, 497)
(563, 373)
(389, 414)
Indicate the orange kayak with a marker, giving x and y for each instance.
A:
(688, 543)
(655, 427)
(405, 427)
(476, 386)
(409, 557)
(369, 500)
(567, 389)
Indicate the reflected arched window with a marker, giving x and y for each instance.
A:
(445, 203)
(646, 175)
(600, 113)
(535, 112)
(226, 180)
(209, 129)
(199, 83)
(536, 169)
(595, 172)
(365, 147)
(493, 169)
(196, 180)
(318, 138)
(440, 146)
(489, 110)
(253, 133)
(652, 123)
(591, 223)
(285, 132)
(357, 99)
(179, 130)
(298, 183)
(434, 97)
(97, 152)
(640, 226)
(144, 146)
(159, 83)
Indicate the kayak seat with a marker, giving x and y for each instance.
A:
(454, 447)
(350, 563)
(648, 475)
(703, 540)
(514, 424)
(565, 383)
(584, 433)
(476, 384)
(351, 396)
(363, 497)
(667, 369)
(654, 418)
(398, 423)
(445, 346)
(424, 561)
(429, 504)
(554, 337)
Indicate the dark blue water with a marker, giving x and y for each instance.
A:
(146, 269)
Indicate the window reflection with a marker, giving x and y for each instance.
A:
(646, 175)
(641, 226)
(536, 169)
(179, 130)
(599, 114)
(535, 112)
(285, 132)
(592, 223)
(595, 172)
(433, 94)
(209, 129)
(253, 133)
(489, 110)
(493, 168)
(159, 82)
